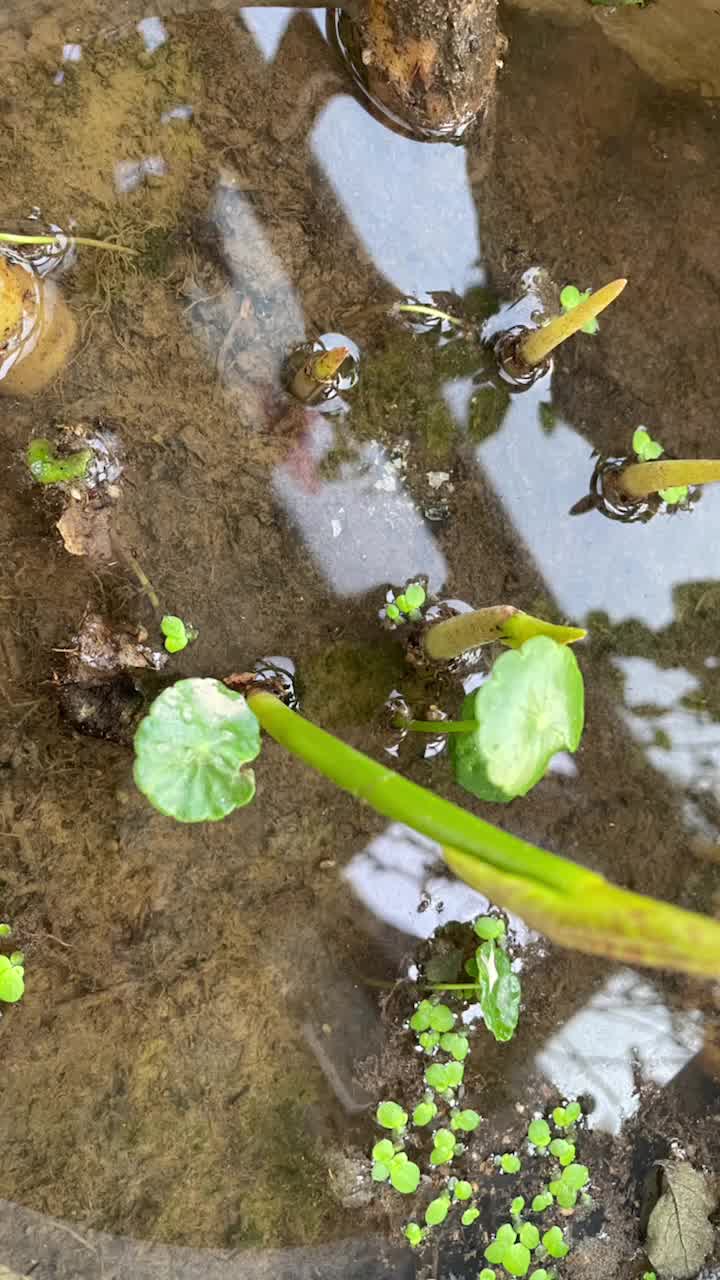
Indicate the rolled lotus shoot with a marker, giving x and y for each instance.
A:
(641, 479)
(538, 345)
(454, 636)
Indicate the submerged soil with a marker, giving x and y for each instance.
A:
(186, 1068)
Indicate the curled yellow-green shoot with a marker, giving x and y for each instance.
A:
(641, 479)
(537, 346)
(454, 636)
(327, 365)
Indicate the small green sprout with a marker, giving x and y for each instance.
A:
(467, 1120)
(456, 1045)
(404, 1175)
(444, 1076)
(437, 1210)
(12, 977)
(517, 1260)
(529, 1235)
(487, 1273)
(420, 1020)
(505, 1238)
(517, 1206)
(542, 1202)
(414, 1234)
(407, 605)
(393, 613)
(649, 1275)
(462, 1190)
(444, 1144)
(424, 1113)
(391, 1116)
(177, 633)
(487, 927)
(383, 1154)
(563, 1150)
(470, 1216)
(5, 930)
(565, 1117)
(429, 1040)
(566, 1196)
(442, 1019)
(554, 1242)
(570, 298)
(47, 468)
(576, 1176)
(540, 1274)
(510, 1163)
(539, 1133)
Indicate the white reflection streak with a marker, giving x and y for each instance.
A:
(595, 1051)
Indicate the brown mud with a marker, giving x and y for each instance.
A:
(185, 1066)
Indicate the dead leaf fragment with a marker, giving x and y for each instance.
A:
(679, 1235)
(85, 531)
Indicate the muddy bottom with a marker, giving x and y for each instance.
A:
(205, 1026)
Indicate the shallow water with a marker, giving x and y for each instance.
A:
(187, 1062)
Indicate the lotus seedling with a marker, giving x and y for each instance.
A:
(567, 1116)
(437, 1211)
(391, 1116)
(12, 977)
(555, 1243)
(539, 1133)
(192, 753)
(470, 1216)
(407, 606)
(510, 1163)
(317, 377)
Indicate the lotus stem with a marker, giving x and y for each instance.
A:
(452, 637)
(575, 907)
(640, 479)
(536, 347)
(9, 238)
(433, 313)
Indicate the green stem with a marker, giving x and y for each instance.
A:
(435, 726)
(433, 313)
(403, 801)
(640, 479)
(9, 238)
(575, 907)
(451, 986)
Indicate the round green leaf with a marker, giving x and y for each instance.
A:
(174, 630)
(487, 1273)
(437, 1211)
(391, 1116)
(540, 1274)
(380, 1171)
(554, 1242)
(573, 1112)
(12, 981)
(563, 1150)
(576, 1176)
(510, 1164)
(506, 1235)
(539, 1133)
(531, 707)
(404, 1175)
(517, 1206)
(566, 1196)
(5, 930)
(529, 1235)
(470, 1216)
(487, 927)
(415, 596)
(467, 1120)
(645, 448)
(441, 1018)
(190, 749)
(392, 612)
(383, 1151)
(570, 297)
(517, 1260)
(444, 1138)
(414, 1234)
(420, 1020)
(463, 1190)
(454, 1072)
(424, 1113)
(429, 1040)
(495, 1251)
(457, 1045)
(436, 1076)
(542, 1202)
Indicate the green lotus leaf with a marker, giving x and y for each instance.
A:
(190, 749)
(12, 980)
(531, 707)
